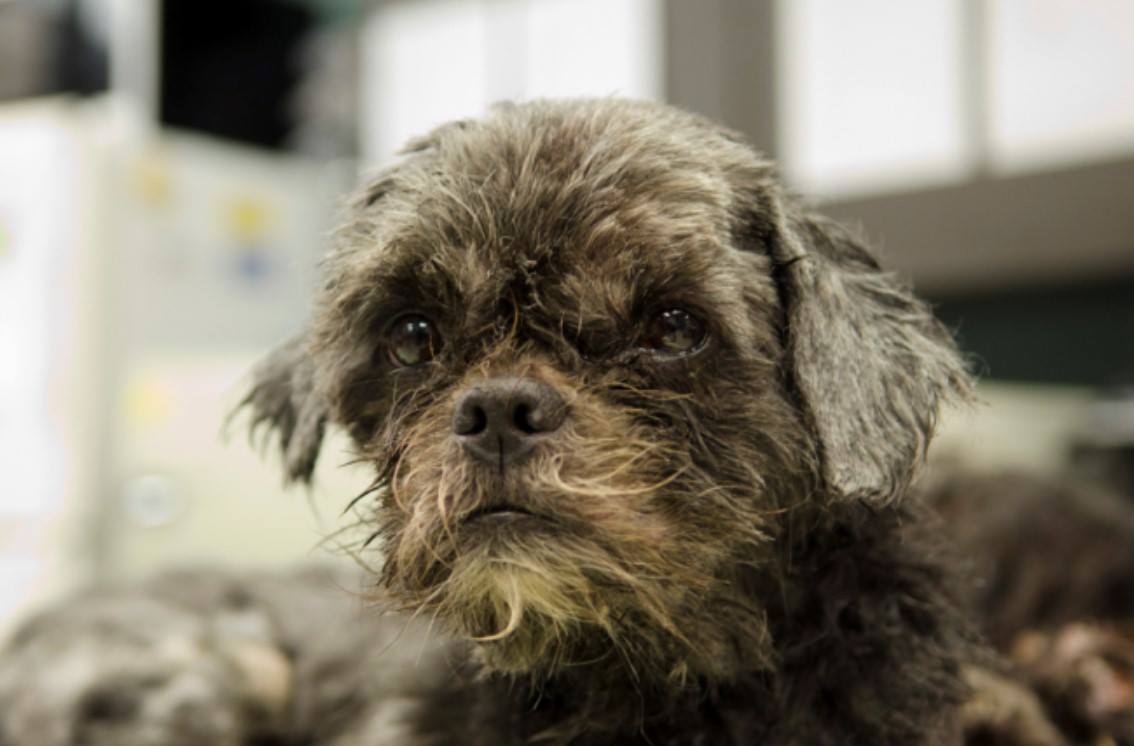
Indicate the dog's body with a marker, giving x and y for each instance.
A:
(643, 431)
(1054, 564)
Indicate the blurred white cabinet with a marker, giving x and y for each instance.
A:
(46, 233)
(425, 63)
(140, 278)
(214, 252)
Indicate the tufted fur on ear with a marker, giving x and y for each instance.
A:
(869, 361)
(283, 398)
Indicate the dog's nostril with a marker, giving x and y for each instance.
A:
(522, 419)
(470, 420)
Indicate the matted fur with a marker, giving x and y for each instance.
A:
(719, 559)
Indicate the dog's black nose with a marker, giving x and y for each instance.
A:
(499, 420)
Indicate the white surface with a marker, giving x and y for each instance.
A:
(216, 245)
(43, 170)
(422, 64)
(426, 63)
(40, 162)
(1015, 426)
(1063, 81)
(216, 248)
(127, 314)
(184, 491)
(594, 48)
(871, 93)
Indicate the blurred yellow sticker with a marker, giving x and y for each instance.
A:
(247, 219)
(152, 180)
(148, 402)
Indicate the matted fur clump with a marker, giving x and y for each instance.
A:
(642, 430)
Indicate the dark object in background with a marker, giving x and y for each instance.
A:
(1076, 334)
(27, 43)
(45, 51)
(1109, 464)
(82, 61)
(1104, 452)
(1046, 553)
(232, 71)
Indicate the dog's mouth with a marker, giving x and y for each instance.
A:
(501, 512)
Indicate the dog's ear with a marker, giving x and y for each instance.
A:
(283, 398)
(869, 362)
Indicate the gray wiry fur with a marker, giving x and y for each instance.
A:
(189, 659)
(872, 363)
(283, 399)
(539, 240)
(721, 552)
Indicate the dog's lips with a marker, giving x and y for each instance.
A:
(500, 512)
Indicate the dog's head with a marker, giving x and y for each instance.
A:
(593, 353)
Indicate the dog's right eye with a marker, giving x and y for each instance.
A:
(412, 340)
(674, 332)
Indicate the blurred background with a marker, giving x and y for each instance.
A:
(169, 172)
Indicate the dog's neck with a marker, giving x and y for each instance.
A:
(862, 638)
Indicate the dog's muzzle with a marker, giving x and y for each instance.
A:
(500, 420)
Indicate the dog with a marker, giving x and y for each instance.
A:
(643, 429)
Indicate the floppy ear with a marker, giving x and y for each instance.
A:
(870, 363)
(283, 398)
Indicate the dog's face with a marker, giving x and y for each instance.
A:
(593, 356)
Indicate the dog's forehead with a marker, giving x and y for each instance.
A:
(562, 199)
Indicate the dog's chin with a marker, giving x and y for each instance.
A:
(537, 608)
(544, 578)
(511, 589)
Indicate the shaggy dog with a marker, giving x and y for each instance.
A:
(643, 430)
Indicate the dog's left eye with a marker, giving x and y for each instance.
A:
(413, 340)
(674, 331)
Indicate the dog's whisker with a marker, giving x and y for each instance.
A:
(374, 487)
(370, 539)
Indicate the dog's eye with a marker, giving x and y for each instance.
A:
(674, 331)
(413, 340)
